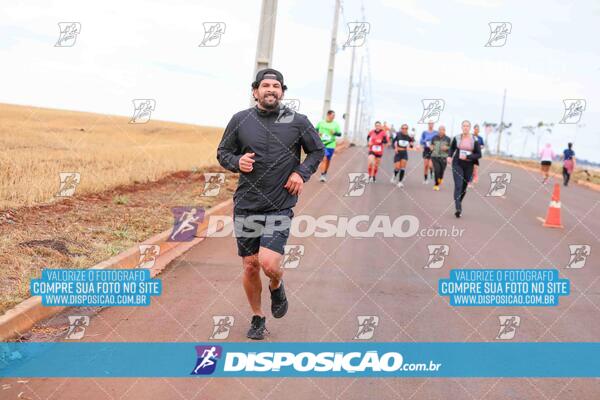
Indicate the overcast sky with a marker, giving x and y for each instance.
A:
(418, 50)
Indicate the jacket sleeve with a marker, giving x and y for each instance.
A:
(228, 152)
(453, 147)
(476, 153)
(314, 149)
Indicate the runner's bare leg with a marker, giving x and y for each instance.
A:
(270, 262)
(324, 165)
(252, 283)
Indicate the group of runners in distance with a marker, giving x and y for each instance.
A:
(461, 152)
(547, 155)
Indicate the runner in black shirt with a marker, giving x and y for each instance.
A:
(401, 143)
(264, 144)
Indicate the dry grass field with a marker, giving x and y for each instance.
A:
(37, 144)
(131, 176)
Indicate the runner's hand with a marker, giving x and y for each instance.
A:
(294, 184)
(246, 162)
(449, 160)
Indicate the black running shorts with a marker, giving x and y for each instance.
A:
(261, 229)
(401, 155)
(427, 153)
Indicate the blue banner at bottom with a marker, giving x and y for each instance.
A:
(299, 359)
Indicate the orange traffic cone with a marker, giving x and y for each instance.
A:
(553, 216)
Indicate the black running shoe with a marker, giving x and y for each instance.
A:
(457, 214)
(257, 328)
(279, 303)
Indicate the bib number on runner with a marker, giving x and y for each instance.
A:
(464, 153)
(402, 143)
(376, 148)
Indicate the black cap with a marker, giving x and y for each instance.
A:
(268, 73)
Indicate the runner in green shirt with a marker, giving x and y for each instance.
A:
(328, 129)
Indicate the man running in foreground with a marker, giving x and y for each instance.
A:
(263, 143)
(425, 142)
(328, 129)
(377, 139)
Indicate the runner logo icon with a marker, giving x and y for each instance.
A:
(68, 183)
(574, 109)
(142, 110)
(358, 183)
(186, 223)
(292, 104)
(499, 32)
(292, 253)
(579, 254)
(287, 114)
(499, 182)
(357, 33)
(508, 326)
(212, 183)
(222, 326)
(207, 359)
(68, 34)
(432, 109)
(148, 255)
(437, 255)
(77, 324)
(212, 34)
(366, 326)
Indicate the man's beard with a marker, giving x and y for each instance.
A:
(269, 106)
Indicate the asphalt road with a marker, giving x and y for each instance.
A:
(339, 279)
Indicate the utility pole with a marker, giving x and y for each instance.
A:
(501, 128)
(349, 99)
(356, 134)
(367, 115)
(266, 37)
(332, 50)
(356, 115)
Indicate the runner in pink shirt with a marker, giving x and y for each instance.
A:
(546, 157)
